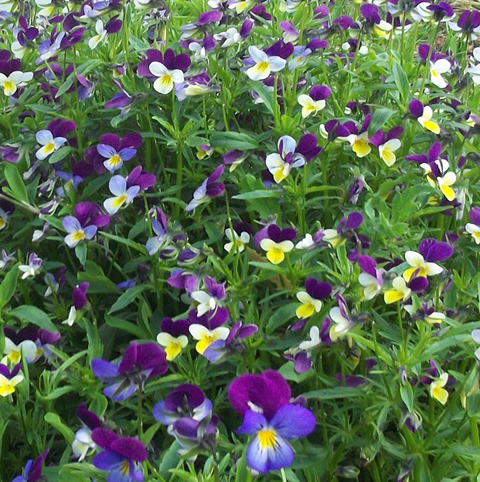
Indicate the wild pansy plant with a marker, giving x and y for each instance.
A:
(142, 105)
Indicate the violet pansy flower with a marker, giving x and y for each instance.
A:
(271, 421)
(138, 364)
(209, 189)
(121, 456)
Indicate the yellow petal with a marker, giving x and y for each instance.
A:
(392, 296)
(275, 255)
(172, 351)
(361, 147)
(305, 311)
(448, 192)
(432, 126)
(440, 394)
(279, 176)
(202, 345)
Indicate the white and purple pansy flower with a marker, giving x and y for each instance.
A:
(122, 457)
(122, 196)
(76, 232)
(49, 144)
(290, 155)
(219, 350)
(371, 277)
(312, 298)
(387, 144)
(209, 189)
(138, 363)
(276, 242)
(114, 158)
(264, 65)
(165, 70)
(83, 443)
(473, 227)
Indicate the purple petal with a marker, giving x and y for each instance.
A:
(474, 215)
(104, 370)
(130, 448)
(252, 423)
(107, 460)
(354, 220)
(293, 421)
(104, 438)
(416, 108)
(129, 359)
(368, 265)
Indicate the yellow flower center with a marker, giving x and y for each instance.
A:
(14, 356)
(172, 351)
(120, 200)
(115, 160)
(263, 66)
(267, 438)
(6, 388)
(9, 87)
(125, 467)
(78, 236)
(166, 79)
(49, 148)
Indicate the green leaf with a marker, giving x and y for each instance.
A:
(32, 314)
(406, 393)
(380, 118)
(258, 194)
(233, 140)
(281, 316)
(288, 372)
(81, 253)
(127, 242)
(334, 393)
(60, 154)
(169, 461)
(57, 393)
(55, 421)
(401, 81)
(126, 298)
(15, 182)
(126, 326)
(8, 285)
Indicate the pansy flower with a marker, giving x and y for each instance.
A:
(468, 23)
(238, 237)
(387, 144)
(122, 457)
(20, 344)
(173, 336)
(278, 242)
(359, 139)
(372, 20)
(345, 230)
(33, 469)
(116, 151)
(186, 400)
(437, 390)
(437, 68)
(263, 400)
(76, 232)
(425, 312)
(401, 290)
(49, 144)
(343, 319)
(290, 154)
(315, 100)
(165, 70)
(209, 300)
(122, 195)
(311, 298)
(423, 263)
(9, 379)
(83, 443)
(111, 27)
(371, 277)
(473, 227)
(138, 364)
(220, 349)
(264, 64)
(424, 115)
(209, 189)
(31, 269)
(206, 336)
(13, 81)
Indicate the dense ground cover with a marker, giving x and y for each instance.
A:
(239, 240)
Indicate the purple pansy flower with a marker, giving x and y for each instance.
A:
(263, 400)
(209, 189)
(121, 456)
(138, 363)
(371, 277)
(186, 400)
(116, 151)
(33, 469)
(83, 442)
